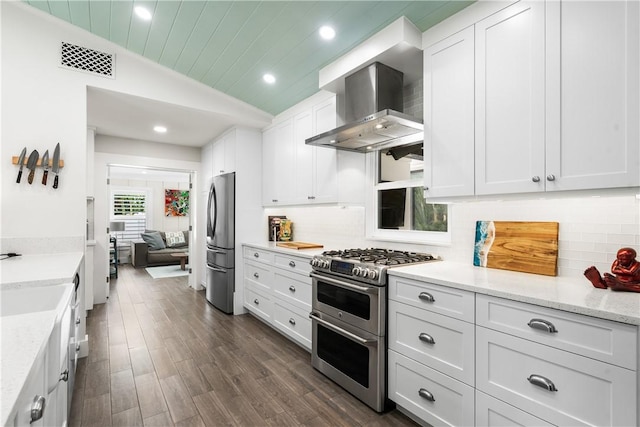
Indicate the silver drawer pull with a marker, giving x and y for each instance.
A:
(543, 382)
(292, 288)
(292, 321)
(256, 302)
(426, 296)
(426, 394)
(64, 376)
(424, 337)
(256, 275)
(37, 408)
(542, 325)
(292, 264)
(78, 321)
(77, 347)
(256, 254)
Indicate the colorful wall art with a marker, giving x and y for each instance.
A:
(176, 202)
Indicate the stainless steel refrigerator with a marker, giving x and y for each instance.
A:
(221, 242)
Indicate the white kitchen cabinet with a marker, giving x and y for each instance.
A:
(491, 412)
(295, 173)
(449, 116)
(510, 97)
(224, 154)
(278, 165)
(33, 389)
(206, 160)
(593, 94)
(278, 291)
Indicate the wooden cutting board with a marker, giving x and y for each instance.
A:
(529, 247)
(298, 245)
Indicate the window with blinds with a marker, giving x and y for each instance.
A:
(130, 207)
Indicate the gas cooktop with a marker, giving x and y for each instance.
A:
(366, 265)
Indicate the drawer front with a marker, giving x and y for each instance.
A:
(258, 274)
(293, 322)
(258, 304)
(411, 384)
(258, 255)
(492, 412)
(440, 342)
(439, 299)
(588, 391)
(293, 263)
(293, 288)
(604, 340)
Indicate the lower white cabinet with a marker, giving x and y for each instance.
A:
(491, 412)
(277, 289)
(430, 395)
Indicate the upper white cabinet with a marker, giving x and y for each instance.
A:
(296, 173)
(593, 94)
(449, 115)
(224, 154)
(509, 121)
(556, 87)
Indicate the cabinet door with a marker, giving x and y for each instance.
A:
(218, 157)
(230, 152)
(325, 166)
(207, 163)
(448, 116)
(510, 84)
(303, 129)
(593, 95)
(278, 165)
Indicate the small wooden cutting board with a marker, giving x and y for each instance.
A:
(298, 245)
(528, 247)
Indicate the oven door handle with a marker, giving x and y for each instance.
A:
(340, 283)
(341, 331)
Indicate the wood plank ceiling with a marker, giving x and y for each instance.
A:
(229, 45)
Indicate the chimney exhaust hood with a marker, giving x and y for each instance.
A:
(374, 105)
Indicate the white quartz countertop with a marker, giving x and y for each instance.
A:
(573, 294)
(39, 270)
(23, 338)
(306, 253)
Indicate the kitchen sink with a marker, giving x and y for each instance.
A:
(34, 299)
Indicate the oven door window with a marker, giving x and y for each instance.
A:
(349, 357)
(345, 300)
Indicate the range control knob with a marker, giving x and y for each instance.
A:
(372, 274)
(314, 262)
(358, 271)
(326, 264)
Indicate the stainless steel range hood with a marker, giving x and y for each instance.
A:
(374, 104)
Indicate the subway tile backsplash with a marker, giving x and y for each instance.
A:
(592, 228)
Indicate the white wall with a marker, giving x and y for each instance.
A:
(43, 104)
(593, 226)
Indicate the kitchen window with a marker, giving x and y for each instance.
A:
(397, 209)
(130, 206)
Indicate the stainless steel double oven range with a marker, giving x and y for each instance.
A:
(349, 318)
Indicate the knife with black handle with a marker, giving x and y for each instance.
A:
(23, 154)
(56, 164)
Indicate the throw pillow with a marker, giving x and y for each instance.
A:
(175, 239)
(153, 240)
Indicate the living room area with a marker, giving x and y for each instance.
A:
(149, 220)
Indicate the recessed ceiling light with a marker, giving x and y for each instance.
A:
(327, 33)
(160, 129)
(142, 13)
(269, 78)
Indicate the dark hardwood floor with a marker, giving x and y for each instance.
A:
(160, 355)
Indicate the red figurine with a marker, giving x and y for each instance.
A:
(626, 269)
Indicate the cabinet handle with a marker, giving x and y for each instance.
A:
(64, 376)
(542, 325)
(256, 254)
(551, 177)
(541, 381)
(424, 337)
(78, 321)
(77, 347)
(292, 264)
(292, 288)
(256, 302)
(37, 408)
(292, 321)
(535, 179)
(256, 275)
(425, 188)
(274, 200)
(221, 171)
(426, 296)
(426, 394)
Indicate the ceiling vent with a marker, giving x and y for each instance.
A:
(87, 60)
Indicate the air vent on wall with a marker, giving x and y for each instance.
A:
(87, 60)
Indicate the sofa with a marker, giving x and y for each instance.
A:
(148, 251)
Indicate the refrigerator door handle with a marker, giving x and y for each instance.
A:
(211, 225)
(220, 270)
